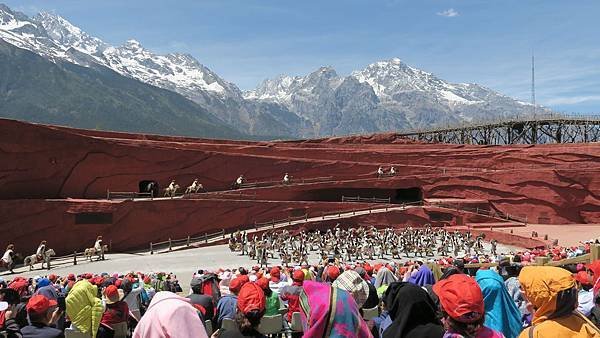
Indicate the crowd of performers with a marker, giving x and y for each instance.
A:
(357, 244)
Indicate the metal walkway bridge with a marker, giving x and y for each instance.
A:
(528, 130)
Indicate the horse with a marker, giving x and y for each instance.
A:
(171, 192)
(90, 252)
(149, 187)
(34, 259)
(194, 188)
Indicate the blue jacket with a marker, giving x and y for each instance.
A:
(226, 308)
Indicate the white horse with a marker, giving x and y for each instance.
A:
(90, 252)
(170, 192)
(34, 259)
(194, 188)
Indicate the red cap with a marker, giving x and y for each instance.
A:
(250, 298)
(263, 283)
(298, 276)
(368, 268)
(40, 304)
(461, 298)
(275, 275)
(333, 272)
(71, 276)
(583, 278)
(236, 284)
(52, 277)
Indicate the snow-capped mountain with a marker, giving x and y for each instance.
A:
(21, 31)
(56, 39)
(384, 96)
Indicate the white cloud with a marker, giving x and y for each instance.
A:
(572, 99)
(449, 13)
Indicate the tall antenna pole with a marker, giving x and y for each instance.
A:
(533, 82)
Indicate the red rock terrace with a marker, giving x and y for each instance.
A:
(54, 183)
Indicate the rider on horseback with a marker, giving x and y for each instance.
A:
(41, 250)
(8, 257)
(238, 182)
(98, 246)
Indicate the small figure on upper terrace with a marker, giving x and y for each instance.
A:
(380, 172)
(238, 182)
(286, 179)
(392, 171)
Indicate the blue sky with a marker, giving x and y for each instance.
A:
(482, 41)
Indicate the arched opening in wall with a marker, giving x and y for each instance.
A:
(149, 186)
(408, 195)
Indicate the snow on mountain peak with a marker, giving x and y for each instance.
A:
(69, 35)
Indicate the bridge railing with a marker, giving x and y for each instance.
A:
(127, 195)
(483, 212)
(366, 199)
(505, 119)
(257, 184)
(170, 243)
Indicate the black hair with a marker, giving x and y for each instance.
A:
(467, 330)
(248, 323)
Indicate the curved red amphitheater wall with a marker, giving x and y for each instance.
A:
(43, 166)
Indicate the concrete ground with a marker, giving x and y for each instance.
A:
(183, 263)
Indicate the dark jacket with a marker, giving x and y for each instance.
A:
(12, 329)
(206, 302)
(38, 330)
(235, 333)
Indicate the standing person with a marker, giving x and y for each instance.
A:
(501, 312)
(273, 304)
(250, 310)
(585, 296)
(553, 294)
(331, 312)
(170, 316)
(84, 308)
(204, 303)
(291, 293)
(8, 257)
(412, 311)
(116, 311)
(463, 309)
(43, 314)
(132, 296)
(227, 304)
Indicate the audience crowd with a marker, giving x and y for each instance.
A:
(360, 299)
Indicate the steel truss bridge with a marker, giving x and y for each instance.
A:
(538, 130)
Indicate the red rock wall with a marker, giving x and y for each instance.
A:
(545, 183)
(135, 224)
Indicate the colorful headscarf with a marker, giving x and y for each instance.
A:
(330, 312)
(170, 315)
(352, 282)
(501, 312)
(423, 276)
(543, 285)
